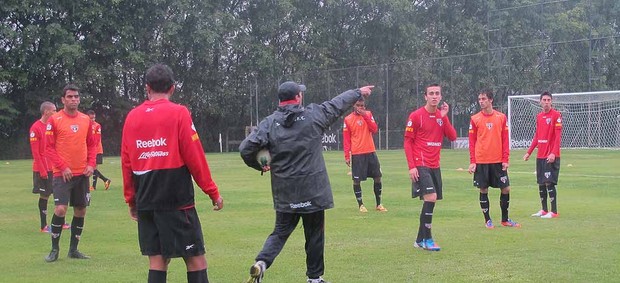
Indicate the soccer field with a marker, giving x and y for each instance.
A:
(582, 245)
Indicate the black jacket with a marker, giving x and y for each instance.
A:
(299, 181)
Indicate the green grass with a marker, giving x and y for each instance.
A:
(580, 246)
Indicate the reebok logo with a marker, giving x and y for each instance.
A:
(151, 143)
(301, 204)
(189, 247)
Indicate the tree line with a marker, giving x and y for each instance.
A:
(229, 55)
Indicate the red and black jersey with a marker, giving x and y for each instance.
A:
(424, 136)
(548, 134)
(40, 164)
(160, 153)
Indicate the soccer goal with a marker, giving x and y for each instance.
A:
(589, 119)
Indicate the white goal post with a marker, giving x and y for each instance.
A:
(589, 119)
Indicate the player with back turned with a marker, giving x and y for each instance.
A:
(489, 154)
(547, 138)
(160, 153)
(424, 133)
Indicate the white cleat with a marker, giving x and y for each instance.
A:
(540, 213)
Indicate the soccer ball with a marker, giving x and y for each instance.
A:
(263, 157)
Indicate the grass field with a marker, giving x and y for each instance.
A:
(581, 246)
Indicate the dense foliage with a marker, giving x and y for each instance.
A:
(230, 55)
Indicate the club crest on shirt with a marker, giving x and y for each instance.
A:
(74, 128)
(548, 121)
(489, 125)
(32, 135)
(359, 122)
(440, 122)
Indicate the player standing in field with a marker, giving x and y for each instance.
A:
(41, 168)
(424, 134)
(71, 149)
(489, 154)
(359, 152)
(547, 138)
(97, 174)
(299, 181)
(160, 153)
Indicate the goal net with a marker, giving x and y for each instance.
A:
(589, 119)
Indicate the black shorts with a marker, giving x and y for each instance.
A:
(365, 165)
(42, 186)
(491, 175)
(547, 173)
(75, 192)
(99, 158)
(429, 182)
(170, 233)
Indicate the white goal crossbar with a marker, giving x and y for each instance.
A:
(589, 119)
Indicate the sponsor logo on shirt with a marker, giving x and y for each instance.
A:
(433, 144)
(543, 141)
(301, 204)
(151, 143)
(148, 109)
(150, 154)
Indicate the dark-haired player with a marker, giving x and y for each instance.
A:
(489, 153)
(359, 152)
(71, 149)
(424, 133)
(547, 138)
(160, 153)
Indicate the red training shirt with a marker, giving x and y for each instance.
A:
(548, 134)
(40, 163)
(424, 136)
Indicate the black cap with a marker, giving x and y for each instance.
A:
(288, 90)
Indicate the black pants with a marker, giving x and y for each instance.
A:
(314, 224)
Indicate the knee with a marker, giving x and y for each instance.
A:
(158, 262)
(430, 197)
(377, 179)
(484, 191)
(60, 210)
(79, 211)
(506, 190)
(196, 263)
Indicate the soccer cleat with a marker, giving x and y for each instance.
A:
(91, 188)
(45, 229)
(419, 245)
(489, 224)
(510, 223)
(66, 226)
(107, 184)
(540, 213)
(363, 209)
(380, 208)
(77, 254)
(53, 256)
(257, 271)
(317, 280)
(550, 215)
(430, 245)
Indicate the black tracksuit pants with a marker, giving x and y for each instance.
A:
(314, 224)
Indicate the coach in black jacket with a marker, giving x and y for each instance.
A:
(299, 181)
